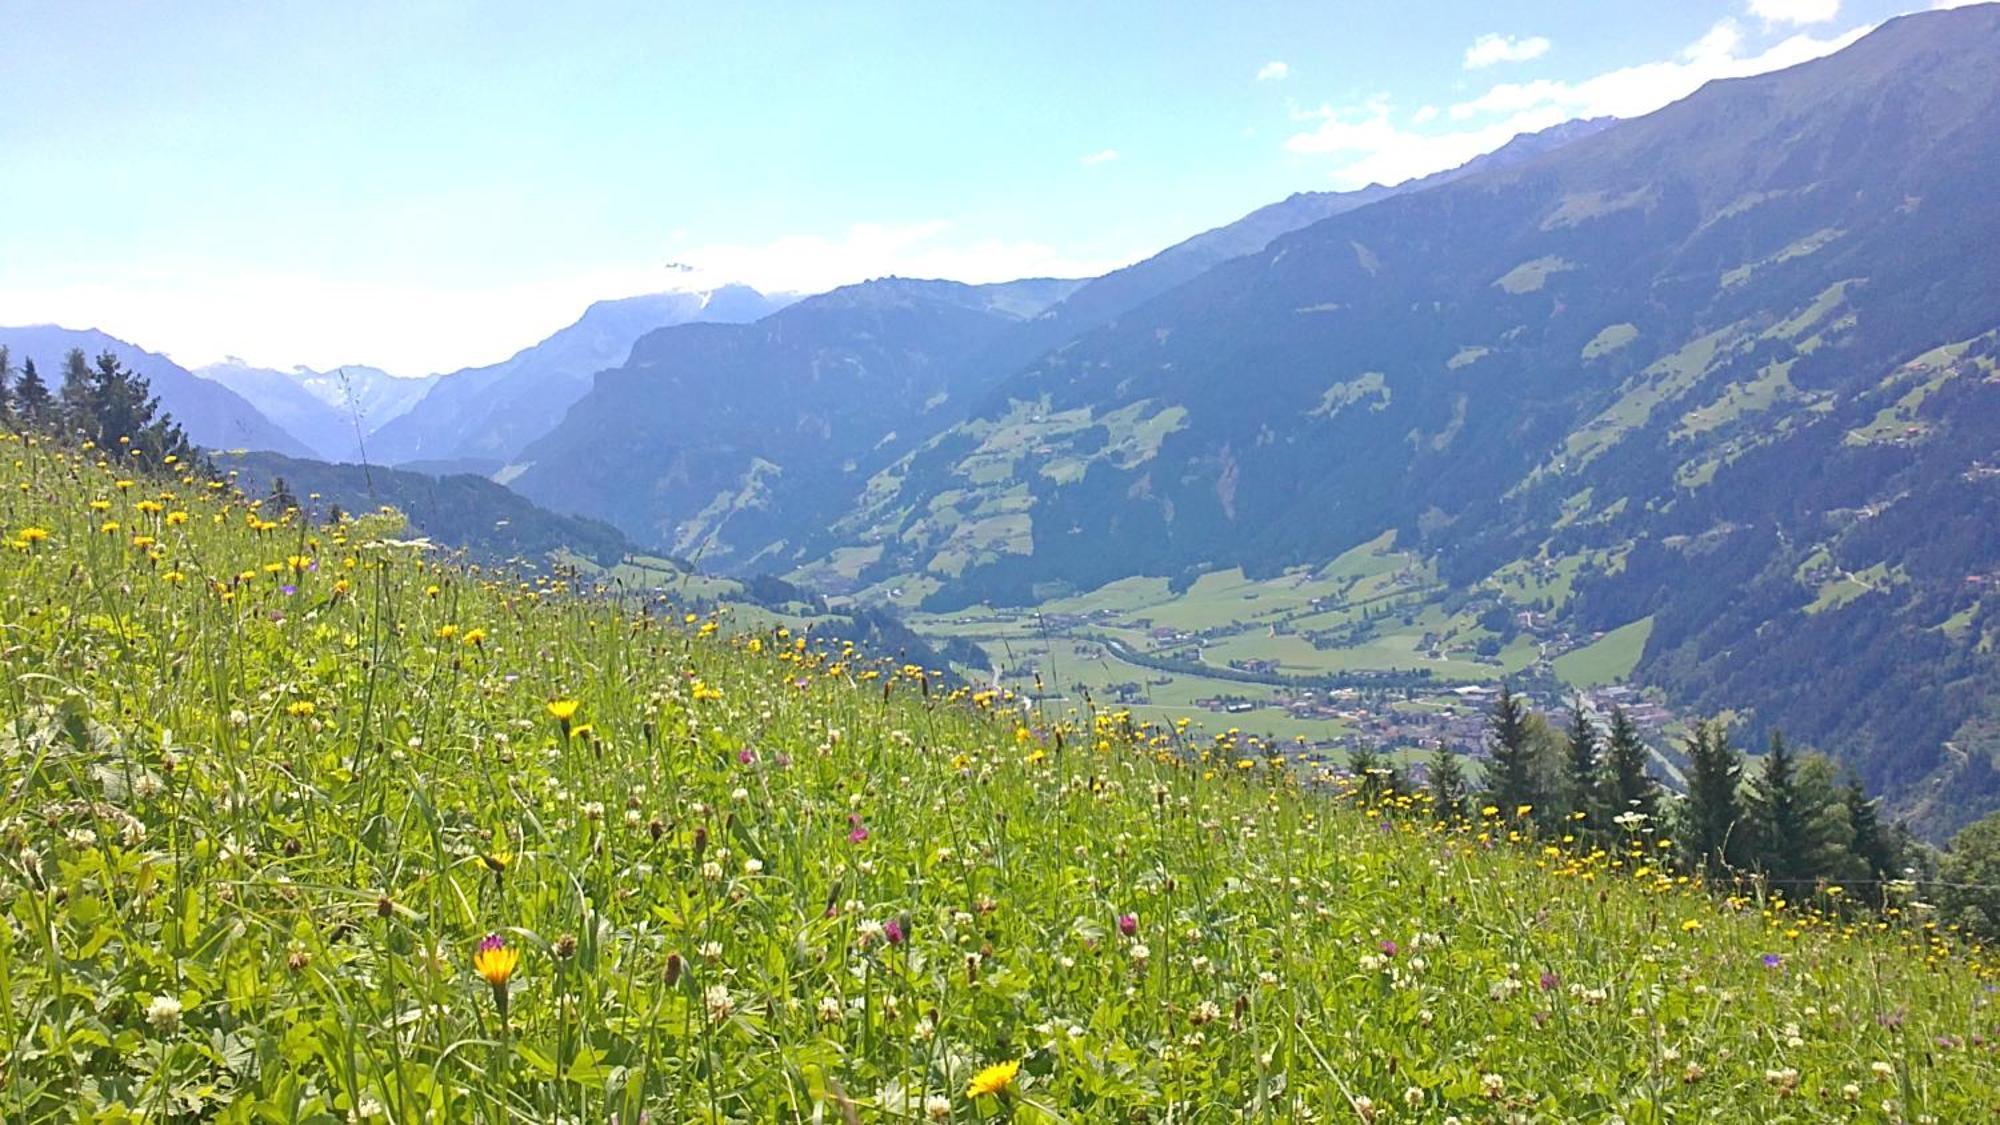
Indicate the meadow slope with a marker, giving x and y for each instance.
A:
(304, 824)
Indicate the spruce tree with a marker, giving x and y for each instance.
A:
(1710, 828)
(114, 407)
(1583, 769)
(6, 385)
(1870, 843)
(77, 395)
(1779, 819)
(1628, 787)
(1447, 784)
(31, 395)
(1510, 773)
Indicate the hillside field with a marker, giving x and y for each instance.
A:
(306, 823)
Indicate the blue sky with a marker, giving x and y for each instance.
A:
(426, 185)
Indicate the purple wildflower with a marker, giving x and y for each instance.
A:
(1128, 924)
(893, 930)
(1550, 981)
(1388, 949)
(1773, 961)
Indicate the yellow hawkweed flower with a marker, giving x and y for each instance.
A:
(495, 961)
(994, 1080)
(563, 710)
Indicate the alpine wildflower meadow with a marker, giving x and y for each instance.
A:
(305, 821)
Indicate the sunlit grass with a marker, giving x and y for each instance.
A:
(301, 823)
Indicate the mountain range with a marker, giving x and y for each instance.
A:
(1726, 369)
(330, 412)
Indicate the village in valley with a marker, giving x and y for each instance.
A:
(1367, 651)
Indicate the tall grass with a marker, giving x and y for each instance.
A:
(268, 787)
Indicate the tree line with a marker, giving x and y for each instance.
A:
(102, 402)
(1789, 822)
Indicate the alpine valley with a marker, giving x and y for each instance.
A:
(1698, 411)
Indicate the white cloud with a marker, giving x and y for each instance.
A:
(1634, 90)
(200, 314)
(1273, 71)
(1371, 146)
(1101, 156)
(1795, 12)
(1490, 49)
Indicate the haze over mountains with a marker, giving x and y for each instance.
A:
(1727, 372)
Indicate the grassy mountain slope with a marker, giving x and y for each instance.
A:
(727, 441)
(1718, 351)
(484, 415)
(1042, 315)
(271, 791)
(214, 416)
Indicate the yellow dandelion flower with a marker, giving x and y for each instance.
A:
(994, 1080)
(563, 710)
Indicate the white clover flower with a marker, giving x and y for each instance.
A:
(164, 1013)
(718, 1002)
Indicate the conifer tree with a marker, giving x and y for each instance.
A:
(6, 385)
(1710, 828)
(1447, 784)
(1583, 768)
(1628, 787)
(32, 400)
(1510, 773)
(281, 496)
(115, 407)
(76, 396)
(1870, 843)
(1778, 816)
